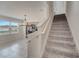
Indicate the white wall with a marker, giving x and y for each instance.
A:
(72, 14)
(59, 7)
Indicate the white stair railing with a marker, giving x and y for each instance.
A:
(37, 40)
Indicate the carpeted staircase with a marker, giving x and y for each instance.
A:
(60, 42)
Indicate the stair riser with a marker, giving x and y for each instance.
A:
(60, 25)
(53, 44)
(56, 42)
(49, 50)
(60, 38)
(55, 33)
(55, 29)
(60, 32)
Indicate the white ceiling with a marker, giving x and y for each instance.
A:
(17, 9)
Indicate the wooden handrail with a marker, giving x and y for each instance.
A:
(43, 22)
(46, 26)
(32, 35)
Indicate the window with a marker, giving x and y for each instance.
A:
(13, 27)
(8, 27)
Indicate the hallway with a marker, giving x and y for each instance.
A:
(60, 42)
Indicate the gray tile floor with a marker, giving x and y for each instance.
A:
(16, 49)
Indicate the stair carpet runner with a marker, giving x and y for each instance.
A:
(60, 42)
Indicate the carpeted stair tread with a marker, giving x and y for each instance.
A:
(60, 43)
